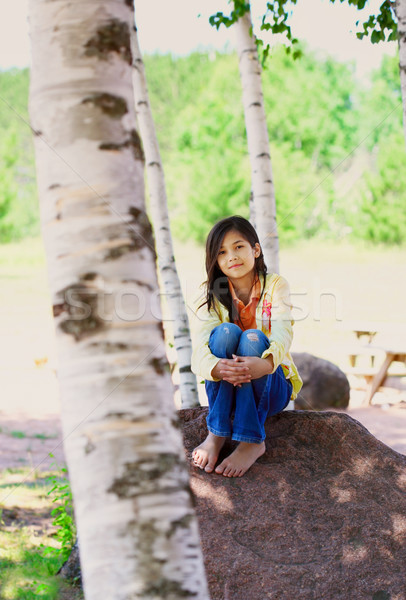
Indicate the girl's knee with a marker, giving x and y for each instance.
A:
(252, 343)
(224, 340)
(228, 329)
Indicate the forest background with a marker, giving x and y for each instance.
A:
(337, 147)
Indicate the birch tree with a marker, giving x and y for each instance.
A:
(137, 528)
(163, 238)
(264, 213)
(401, 17)
(262, 202)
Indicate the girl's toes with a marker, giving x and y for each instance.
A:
(197, 459)
(201, 461)
(220, 469)
(210, 466)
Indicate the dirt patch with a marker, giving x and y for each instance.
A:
(38, 520)
(28, 442)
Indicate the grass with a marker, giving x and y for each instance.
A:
(18, 434)
(23, 434)
(26, 571)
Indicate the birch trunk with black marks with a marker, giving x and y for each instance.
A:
(161, 224)
(258, 142)
(137, 529)
(400, 8)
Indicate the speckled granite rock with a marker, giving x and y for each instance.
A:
(321, 516)
(324, 384)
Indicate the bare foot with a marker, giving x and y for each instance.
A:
(205, 456)
(241, 459)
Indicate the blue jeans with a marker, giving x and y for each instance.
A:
(240, 412)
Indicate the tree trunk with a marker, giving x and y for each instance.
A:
(258, 142)
(401, 17)
(163, 239)
(137, 529)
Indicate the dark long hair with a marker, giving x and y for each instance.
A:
(217, 282)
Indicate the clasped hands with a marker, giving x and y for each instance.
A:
(242, 369)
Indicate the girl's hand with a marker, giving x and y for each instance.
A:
(230, 370)
(257, 367)
(242, 369)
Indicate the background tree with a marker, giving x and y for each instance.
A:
(18, 207)
(263, 212)
(333, 138)
(263, 193)
(388, 24)
(401, 16)
(138, 533)
(163, 238)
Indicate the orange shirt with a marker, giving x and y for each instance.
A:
(246, 313)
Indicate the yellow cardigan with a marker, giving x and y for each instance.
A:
(273, 317)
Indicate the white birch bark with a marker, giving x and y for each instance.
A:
(163, 239)
(137, 529)
(258, 142)
(400, 8)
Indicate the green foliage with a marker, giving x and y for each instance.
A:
(382, 114)
(18, 196)
(275, 18)
(381, 27)
(309, 105)
(204, 142)
(61, 495)
(321, 124)
(383, 208)
(304, 196)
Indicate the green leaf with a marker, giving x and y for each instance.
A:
(375, 37)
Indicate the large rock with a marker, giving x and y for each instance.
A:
(321, 516)
(324, 384)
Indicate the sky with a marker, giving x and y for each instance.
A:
(180, 26)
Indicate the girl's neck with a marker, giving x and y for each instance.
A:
(243, 287)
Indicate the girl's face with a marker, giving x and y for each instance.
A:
(236, 257)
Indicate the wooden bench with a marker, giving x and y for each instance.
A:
(392, 355)
(363, 350)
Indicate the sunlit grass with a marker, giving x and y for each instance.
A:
(26, 572)
(23, 568)
(25, 488)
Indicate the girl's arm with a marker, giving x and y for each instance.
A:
(281, 324)
(203, 361)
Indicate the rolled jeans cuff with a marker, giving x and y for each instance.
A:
(218, 433)
(244, 438)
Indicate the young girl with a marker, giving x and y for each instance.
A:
(241, 347)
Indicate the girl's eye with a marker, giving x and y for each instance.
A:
(238, 247)
(221, 252)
